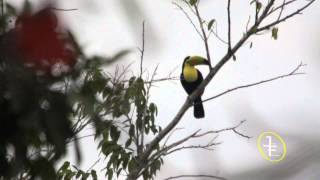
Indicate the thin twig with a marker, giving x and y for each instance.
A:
(189, 18)
(142, 51)
(197, 134)
(172, 132)
(205, 147)
(298, 11)
(281, 6)
(205, 37)
(94, 164)
(196, 176)
(291, 73)
(281, 10)
(229, 26)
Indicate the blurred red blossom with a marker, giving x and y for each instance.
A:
(41, 44)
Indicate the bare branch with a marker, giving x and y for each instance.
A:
(215, 33)
(142, 50)
(196, 176)
(141, 145)
(205, 37)
(162, 79)
(282, 6)
(206, 147)
(225, 129)
(298, 11)
(229, 26)
(281, 9)
(173, 131)
(291, 73)
(94, 164)
(197, 134)
(189, 18)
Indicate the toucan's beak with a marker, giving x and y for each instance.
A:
(206, 62)
(197, 60)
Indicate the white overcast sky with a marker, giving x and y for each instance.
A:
(290, 107)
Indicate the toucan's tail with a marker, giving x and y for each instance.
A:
(198, 110)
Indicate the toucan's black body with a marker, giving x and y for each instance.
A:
(191, 85)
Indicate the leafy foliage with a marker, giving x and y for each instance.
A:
(34, 115)
(275, 33)
(68, 172)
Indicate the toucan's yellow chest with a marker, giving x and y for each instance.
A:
(190, 73)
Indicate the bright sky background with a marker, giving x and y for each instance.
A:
(290, 107)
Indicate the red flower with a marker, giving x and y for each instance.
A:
(39, 43)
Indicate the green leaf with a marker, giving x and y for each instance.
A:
(118, 172)
(153, 108)
(258, 5)
(128, 142)
(132, 165)
(85, 176)
(109, 174)
(131, 80)
(275, 33)
(125, 160)
(94, 175)
(65, 166)
(114, 133)
(210, 24)
(193, 2)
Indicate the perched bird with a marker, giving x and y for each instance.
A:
(191, 78)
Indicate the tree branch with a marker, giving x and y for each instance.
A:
(205, 37)
(142, 51)
(291, 73)
(189, 18)
(197, 134)
(298, 11)
(196, 176)
(229, 26)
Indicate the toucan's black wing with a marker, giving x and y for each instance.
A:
(189, 87)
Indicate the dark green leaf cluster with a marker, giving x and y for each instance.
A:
(124, 116)
(68, 172)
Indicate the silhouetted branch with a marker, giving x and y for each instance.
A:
(166, 148)
(298, 11)
(229, 26)
(189, 18)
(205, 37)
(142, 50)
(291, 73)
(196, 176)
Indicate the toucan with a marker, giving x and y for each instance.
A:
(191, 78)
